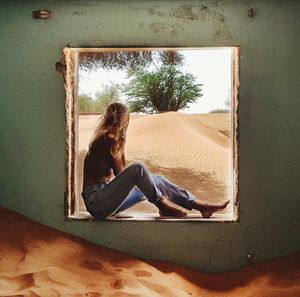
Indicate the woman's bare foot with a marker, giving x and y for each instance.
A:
(208, 210)
(167, 210)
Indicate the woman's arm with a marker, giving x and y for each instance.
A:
(118, 160)
(117, 163)
(123, 159)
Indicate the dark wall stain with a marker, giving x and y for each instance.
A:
(191, 13)
(78, 12)
(158, 27)
(186, 12)
(154, 11)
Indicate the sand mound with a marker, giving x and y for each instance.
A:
(36, 260)
(174, 140)
(177, 140)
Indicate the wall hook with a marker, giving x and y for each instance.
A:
(60, 67)
(42, 14)
(251, 12)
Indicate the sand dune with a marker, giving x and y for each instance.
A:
(175, 140)
(36, 260)
(193, 151)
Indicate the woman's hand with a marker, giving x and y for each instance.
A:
(118, 164)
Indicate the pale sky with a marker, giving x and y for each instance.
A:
(211, 67)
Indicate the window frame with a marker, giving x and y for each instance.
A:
(71, 80)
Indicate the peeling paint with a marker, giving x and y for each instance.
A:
(172, 29)
(78, 12)
(157, 27)
(235, 127)
(202, 13)
(154, 11)
(68, 58)
(186, 12)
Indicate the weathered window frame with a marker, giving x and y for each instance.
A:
(71, 62)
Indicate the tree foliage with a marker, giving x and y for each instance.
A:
(165, 89)
(108, 95)
(119, 60)
(85, 103)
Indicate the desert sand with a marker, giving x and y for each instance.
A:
(36, 260)
(192, 151)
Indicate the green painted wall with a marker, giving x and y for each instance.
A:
(32, 123)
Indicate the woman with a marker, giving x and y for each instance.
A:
(104, 196)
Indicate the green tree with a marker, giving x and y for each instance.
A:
(108, 95)
(85, 103)
(118, 60)
(165, 89)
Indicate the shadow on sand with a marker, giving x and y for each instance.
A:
(202, 184)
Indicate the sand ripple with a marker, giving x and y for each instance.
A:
(57, 264)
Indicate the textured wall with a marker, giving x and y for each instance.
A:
(32, 123)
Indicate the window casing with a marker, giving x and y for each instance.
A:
(73, 199)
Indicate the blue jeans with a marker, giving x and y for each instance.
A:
(133, 185)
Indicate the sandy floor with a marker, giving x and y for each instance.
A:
(36, 260)
(192, 151)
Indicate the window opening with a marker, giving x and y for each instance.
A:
(191, 140)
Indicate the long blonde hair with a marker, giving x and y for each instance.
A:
(114, 123)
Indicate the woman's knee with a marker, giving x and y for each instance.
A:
(158, 179)
(137, 167)
(135, 170)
